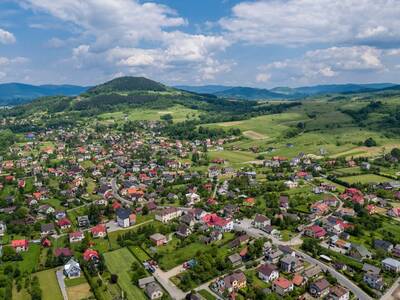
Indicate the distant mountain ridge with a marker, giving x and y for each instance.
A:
(288, 92)
(18, 93)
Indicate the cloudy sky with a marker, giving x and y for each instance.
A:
(262, 43)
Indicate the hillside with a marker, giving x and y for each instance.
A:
(250, 94)
(128, 84)
(17, 93)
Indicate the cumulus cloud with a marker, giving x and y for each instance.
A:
(10, 66)
(127, 36)
(263, 77)
(335, 62)
(295, 22)
(6, 37)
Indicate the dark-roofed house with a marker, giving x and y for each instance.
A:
(125, 217)
(47, 229)
(374, 281)
(338, 292)
(235, 259)
(291, 264)
(359, 252)
(384, 245)
(153, 290)
(320, 288)
(260, 221)
(268, 272)
(72, 269)
(183, 231)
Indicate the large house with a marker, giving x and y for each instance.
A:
(20, 245)
(320, 288)
(268, 272)
(232, 282)
(99, 231)
(391, 265)
(315, 231)
(125, 217)
(260, 221)
(153, 290)
(282, 286)
(167, 214)
(72, 269)
(217, 222)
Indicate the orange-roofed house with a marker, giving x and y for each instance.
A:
(282, 286)
(249, 202)
(20, 245)
(99, 231)
(90, 254)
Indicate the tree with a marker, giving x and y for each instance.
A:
(370, 142)
(395, 153)
(114, 278)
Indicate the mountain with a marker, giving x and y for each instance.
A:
(342, 88)
(204, 89)
(17, 93)
(249, 93)
(128, 84)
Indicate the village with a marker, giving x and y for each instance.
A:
(135, 215)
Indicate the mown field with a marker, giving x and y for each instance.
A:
(365, 178)
(119, 262)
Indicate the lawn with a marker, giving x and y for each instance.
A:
(74, 281)
(49, 285)
(81, 291)
(207, 295)
(233, 156)
(119, 262)
(139, 253)
(365, 178)
(30, 259)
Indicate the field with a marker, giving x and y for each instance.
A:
(365, 178)
(179, 113)
(119, 262)
(81, 291)
(327, 129)
(207, 295)
(49, 285)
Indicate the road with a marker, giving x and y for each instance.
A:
(116, 195)
(392, 293)
(61, 283)
(163, 278)
(360, 294)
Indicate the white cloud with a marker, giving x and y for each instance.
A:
(335, 63)
(6, 37)
(11, 66)
(127, 36)
(263, 77)
(295, 22)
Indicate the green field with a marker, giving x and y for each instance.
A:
(119, 262)
(365, 178)
(207, 295)
(48, 283)
(139, 253)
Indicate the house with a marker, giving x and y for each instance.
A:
(64, 223)
(72, 269)
(167, 214)
(47, 229)
(154, 291)
(383, 245)
(338, 292)
(286, 250)
(260, 221)
(359, 252)
(99, 231)
(319, 288)
(240, 240)
(183, 231)
(90, 254)
(290, 264)
(83, 221)
(145, 281)
(394, 212)
(3, 228)
(188, 219)
(158, 239)
(217, 222)
(391, 265)
(268, 272)
(374, 281)
(125, 217)
(232, 282)
(315, 231)
(291, 184)
(20, 245)
(235, 259)
(274, 256)
(284, 202)
(282, 286)
(76, 236)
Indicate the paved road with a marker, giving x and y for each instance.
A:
(171, 288)
(360, 294)
(116, 195)
(61, 283)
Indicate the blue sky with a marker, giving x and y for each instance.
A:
(263, 43)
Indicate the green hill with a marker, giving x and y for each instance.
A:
(128, 84)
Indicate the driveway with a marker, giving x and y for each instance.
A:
(61, 283)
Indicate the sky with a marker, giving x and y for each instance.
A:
(260, 43)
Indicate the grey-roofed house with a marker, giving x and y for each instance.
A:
(359, 252)
(72, 269)
(145, 281)
(235, 259)
(390, 264)
(153, 290)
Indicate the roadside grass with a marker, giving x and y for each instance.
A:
(207, 295)
(49, 285)
(119, 262)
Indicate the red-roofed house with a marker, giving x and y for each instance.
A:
(90, 254)
(282, 286)
(213, 220)
(20, 245)
(315, 231)
(64, 223)
(99, 231)
(76, 236)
